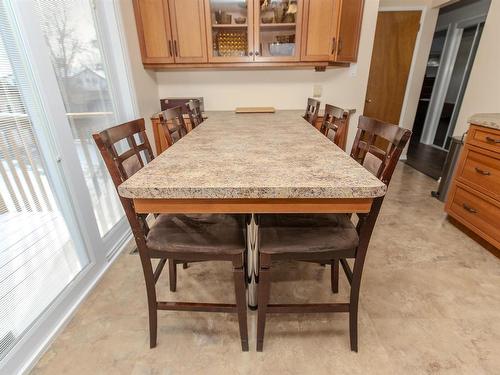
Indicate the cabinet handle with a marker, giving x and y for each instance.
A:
(257, 53)
(250, 53)
(175, 48)
(468, 208)
(340, 46)
(483, 172)
(334, 45)
(170, 48)
(492, 140)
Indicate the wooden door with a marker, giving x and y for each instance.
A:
(153, 28)
(229, 39)
(319, 29)
(188, 31)
(275, 39)
(393, 47)
(349, 31)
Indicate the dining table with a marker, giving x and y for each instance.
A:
(253, 163)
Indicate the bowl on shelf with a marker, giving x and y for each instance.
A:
(240, 20)
(267, 19)
(282, 49)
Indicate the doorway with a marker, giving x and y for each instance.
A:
(450, 61)
(393, 47)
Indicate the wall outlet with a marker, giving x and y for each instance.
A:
(317, 91)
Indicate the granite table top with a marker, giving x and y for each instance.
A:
(232, 156)
(489, 120)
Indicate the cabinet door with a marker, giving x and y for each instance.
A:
(153, 29)
(277, 30)
(319, 29)
(229, 30)
(351, 16)
(188, 31)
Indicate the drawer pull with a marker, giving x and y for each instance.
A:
(492, 140)
(483, 172)
(468, 208)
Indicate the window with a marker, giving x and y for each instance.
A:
(38, 256)
(71, 35)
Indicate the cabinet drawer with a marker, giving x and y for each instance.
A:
(481, 170)
(482, 215)
(484, 137)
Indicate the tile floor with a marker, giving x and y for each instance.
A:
(430, 304)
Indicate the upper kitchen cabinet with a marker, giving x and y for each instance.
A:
(246, 33)
(349, 30)
(229, 30)
(187, 19)
(153, 28)
(319, 30)
(171, 31)
(277, 30)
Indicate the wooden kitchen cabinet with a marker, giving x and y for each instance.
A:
(187, 19)
(171, 31)
(474, 198)
(320, 27)
(153, 28)
(248, 33)
(349, 31)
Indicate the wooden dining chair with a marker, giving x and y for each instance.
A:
(173, 124)
(334, 124)
(329, 238)
(312, 110)
(174, 238)
(194, 111)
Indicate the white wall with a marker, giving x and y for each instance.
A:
(483, 90)
(143, 81)
(283, 89)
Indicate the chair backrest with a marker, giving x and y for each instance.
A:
(312, 110)
(334, 123)
(173, 124)
(195, 115)
(122, 165)
(381, 162)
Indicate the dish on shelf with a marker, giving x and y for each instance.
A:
(282, 49)
(240, 20)
(267, 19)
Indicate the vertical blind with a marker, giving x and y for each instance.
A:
(37, 255)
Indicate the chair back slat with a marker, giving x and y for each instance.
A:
(334, 123)
(312, 110)
(194, 110)
(173, 124)
(366, 150)
(122, 165)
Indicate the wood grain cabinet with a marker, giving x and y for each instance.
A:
(171, 31)
(474, 198)
(238, 33)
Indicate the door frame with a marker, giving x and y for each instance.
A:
(408, 8)
(443, 77)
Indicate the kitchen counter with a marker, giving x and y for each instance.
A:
(489, 120)
(230, 155)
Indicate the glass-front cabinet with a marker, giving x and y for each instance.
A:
(253, 30)
(277, 30)
(230, 30)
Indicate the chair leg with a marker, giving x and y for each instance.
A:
(241, 305)
(335, 276)
(264, 291)
(172, 274)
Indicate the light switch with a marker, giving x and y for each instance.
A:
(317, 91)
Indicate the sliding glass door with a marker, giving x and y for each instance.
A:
(41, 251)
(61, 222)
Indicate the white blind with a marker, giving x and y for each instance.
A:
(37, 255)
